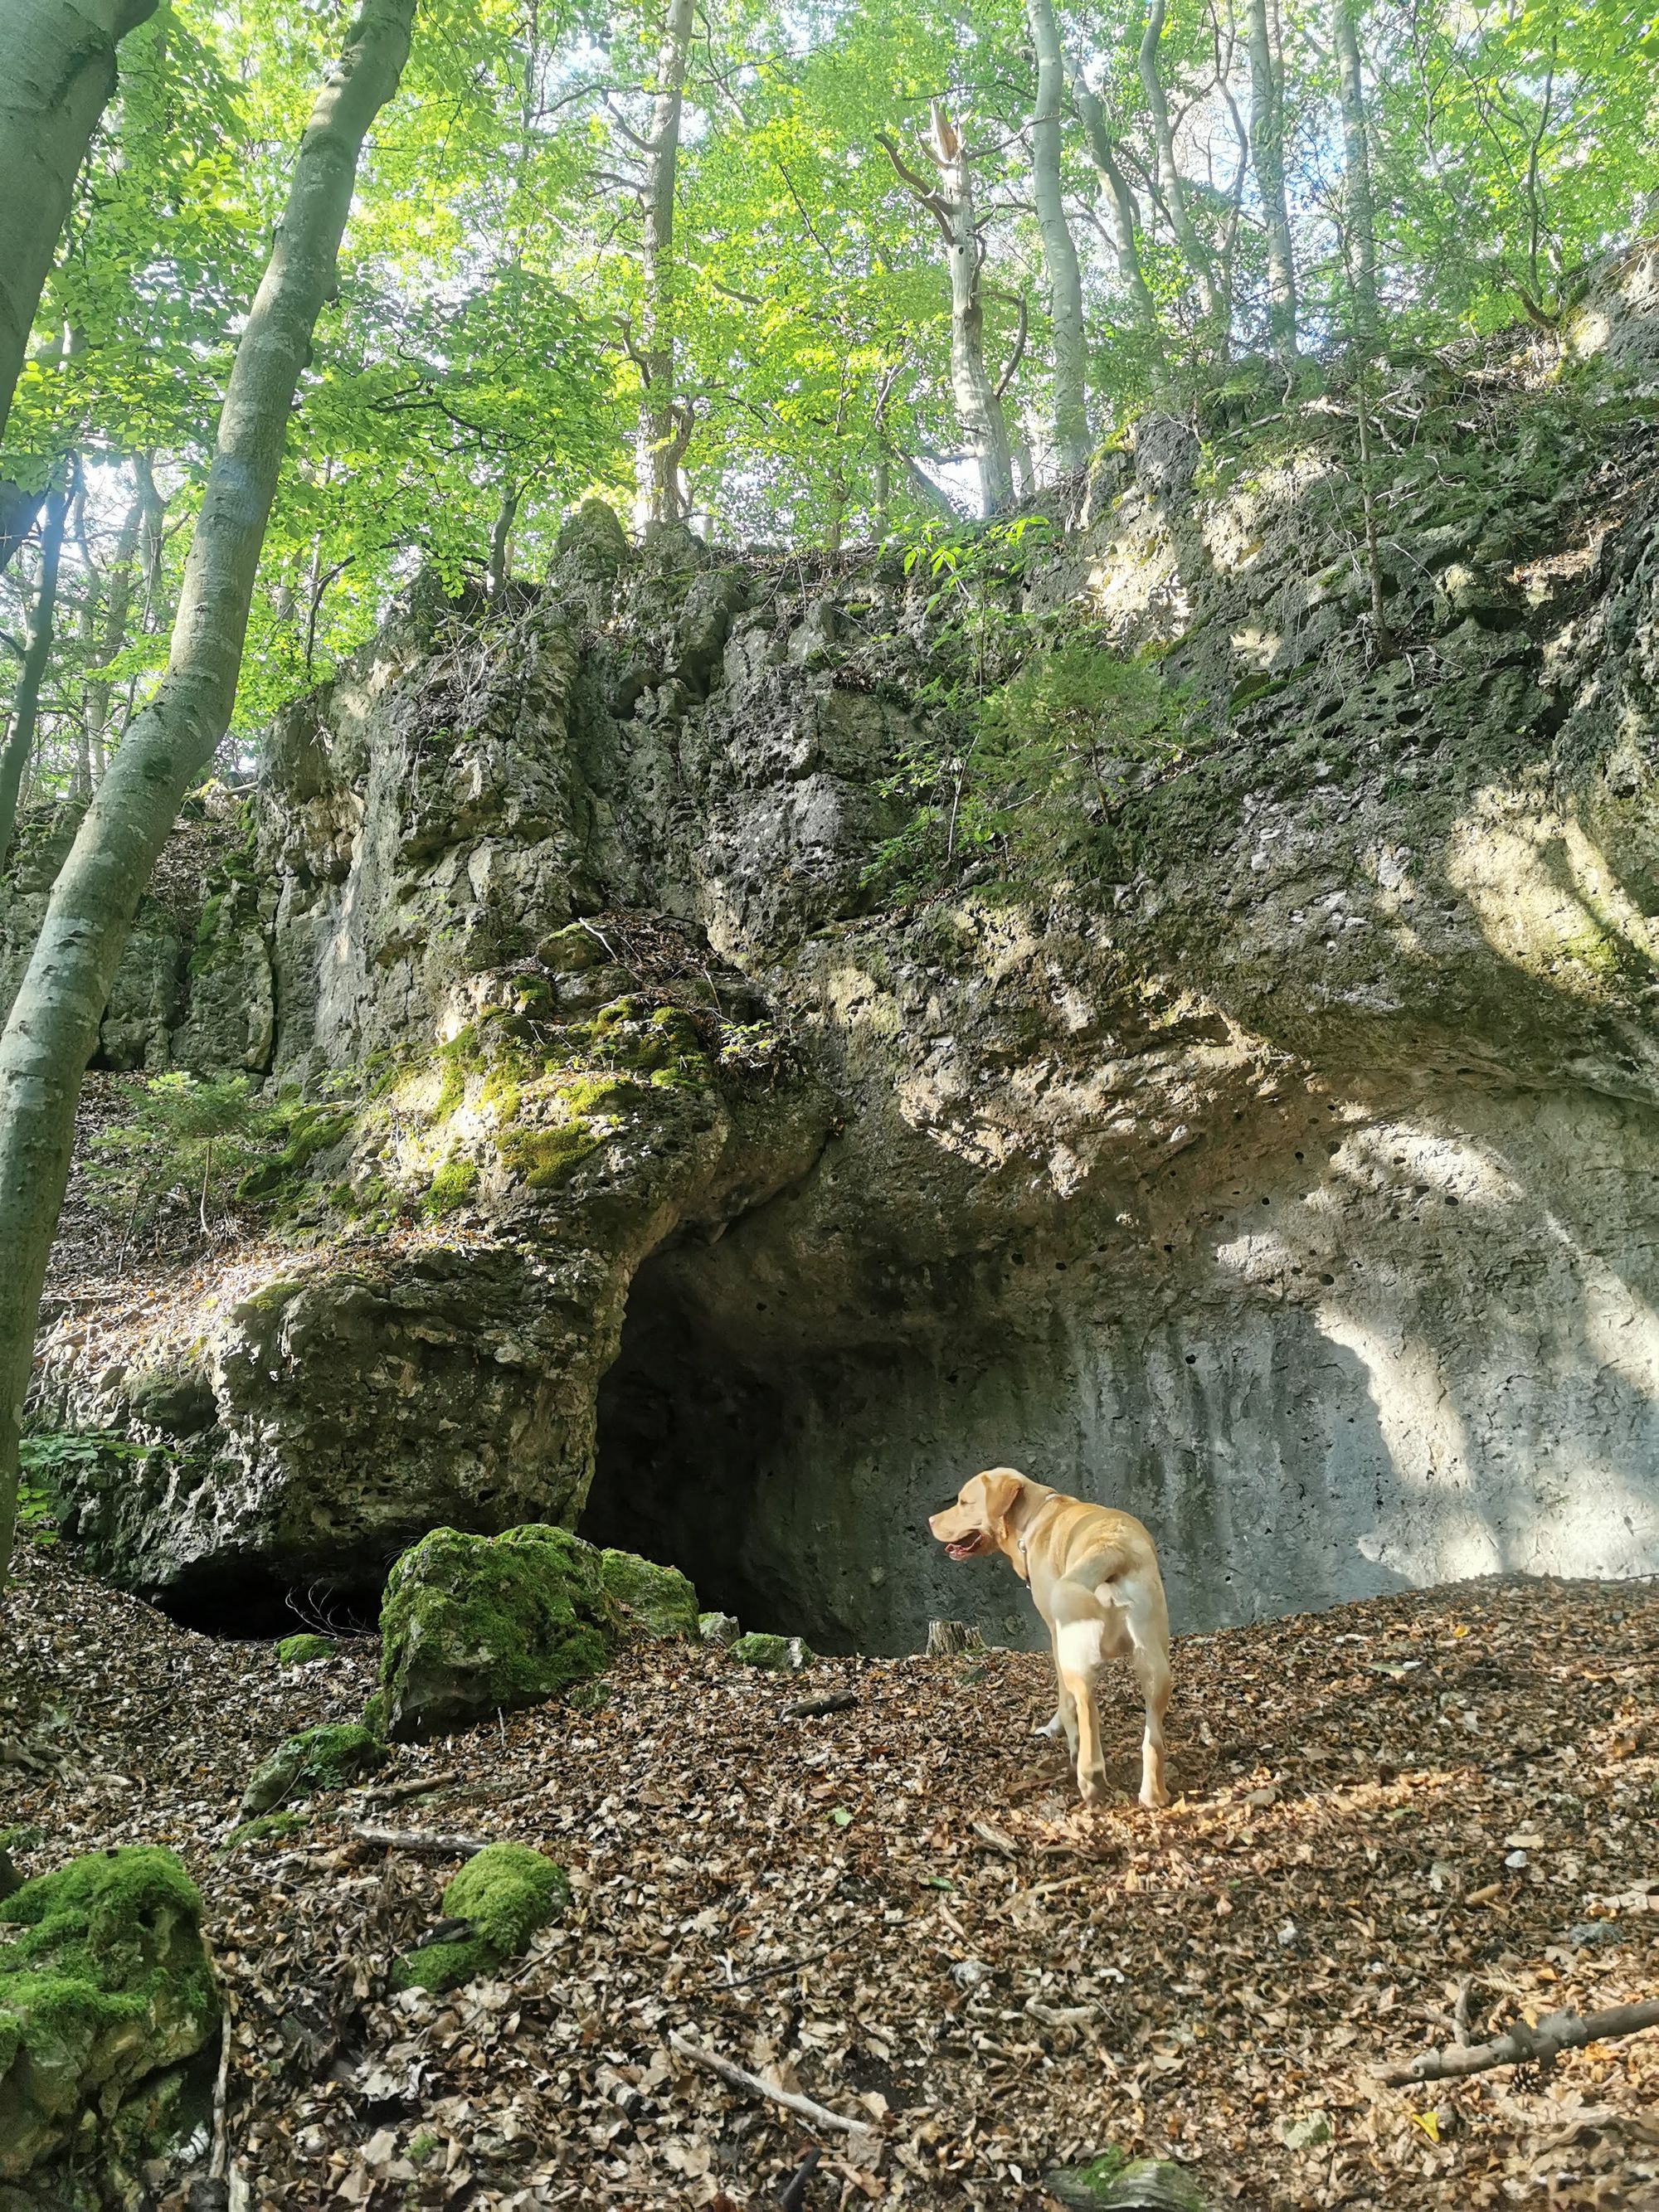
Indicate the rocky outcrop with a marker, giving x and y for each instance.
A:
(799, 1058)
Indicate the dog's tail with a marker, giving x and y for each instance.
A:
(1104, 1570)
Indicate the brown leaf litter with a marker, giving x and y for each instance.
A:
(898, 1910)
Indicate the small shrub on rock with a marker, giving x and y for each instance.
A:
(326, 1758)
(504, 1895)
(104, 1984)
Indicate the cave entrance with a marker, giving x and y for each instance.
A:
(694, 1427)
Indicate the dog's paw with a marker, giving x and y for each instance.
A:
(1093, 1788)
(1051, 1727)
(1155, 1800)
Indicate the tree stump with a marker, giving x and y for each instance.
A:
(946, 1637)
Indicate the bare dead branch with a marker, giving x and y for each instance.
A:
(1520, 2046)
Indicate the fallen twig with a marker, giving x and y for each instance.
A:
(395, 1793)
(219, 2164)
(812, 1709)
(1520, 2044)
(862, 2140)
(793, 2195)
(781, 1966)
(429, 1846)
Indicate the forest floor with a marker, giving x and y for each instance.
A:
(901, 1908)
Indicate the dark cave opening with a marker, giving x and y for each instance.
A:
(695, 1425)
(249, 1600)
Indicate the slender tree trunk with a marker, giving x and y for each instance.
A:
(37, 654)
(1171, 183)
(20, 510)
(657, 472)
(1124, 225)
(978, 402)
(1071, 411)
(118, 609)
(501, 540)
(54, 1023)
(1267, 154)
(1360, 210)
(57, 73)
(153, 543)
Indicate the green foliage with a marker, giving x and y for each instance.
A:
(1025, 778)
(188, 1138)
(48, 1463)
(212, 1141)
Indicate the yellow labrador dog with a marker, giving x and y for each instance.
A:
(1093, 1575)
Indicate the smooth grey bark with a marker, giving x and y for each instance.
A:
(1359, 210)
(951, 204)
(663, 433)
(113, 637)
(54, 1022)
(31, 672)
(1267, 156)
(1170, 182)
(1124, 225)
(1071, 351)
(57, 74)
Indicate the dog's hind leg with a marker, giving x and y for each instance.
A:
(1152, 1666)
(1077, 1654)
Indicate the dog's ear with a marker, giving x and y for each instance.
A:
(1003, 1492)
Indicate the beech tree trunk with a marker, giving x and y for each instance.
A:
(1124, 225)
(1170, 182)
(118, 612)
(1070, 393)
(54, 1023)
(1267, 156)
(978, 402)
(1360, 208)
(37, 654)
(657, 470)
(57, 73)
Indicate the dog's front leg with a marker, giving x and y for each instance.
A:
(1064, 1721)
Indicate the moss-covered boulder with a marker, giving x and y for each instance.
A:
(105, 1984)
(1113, 2182)
(659, 1601)
(299, 1651)
(326, 1758)
(502, 1896)
(471, 1626)
(774, 1655)
(722, 1629)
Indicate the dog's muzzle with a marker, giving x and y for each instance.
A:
(969, 1547)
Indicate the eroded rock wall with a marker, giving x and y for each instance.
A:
(1283, 1172)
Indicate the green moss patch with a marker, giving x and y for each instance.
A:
(296, 1650)
(104, 1981)
(268, 1828)
(774, 1655)
(1113, 2182)
(545, 1156)
(661, 1601)
(504, 1894)
(471, 1626)
(326, 1758)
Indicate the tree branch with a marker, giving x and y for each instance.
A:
(1520, 2044)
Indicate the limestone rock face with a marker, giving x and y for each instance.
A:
(105, 1991)
(732, 1159)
